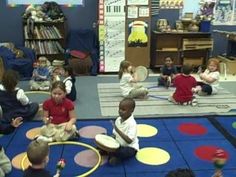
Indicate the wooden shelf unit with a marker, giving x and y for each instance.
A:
(186, 47)
(46, 39)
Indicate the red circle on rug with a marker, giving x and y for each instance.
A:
(91, 131)
(207, 152)
(88, 158)
(192, 129)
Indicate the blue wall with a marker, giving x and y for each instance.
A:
(83, 18)
(80, 17)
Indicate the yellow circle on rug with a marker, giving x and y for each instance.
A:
(16, 161)
(153, 156)
(145, 130)
(32, 133)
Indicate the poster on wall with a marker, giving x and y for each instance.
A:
(111, 34)
(137, 2)
(143, 11)
(20, 2)
(224, 12)
(132, 12)
(137, 34)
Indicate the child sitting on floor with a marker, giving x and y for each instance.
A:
(210, 79)
(5, 163)
(13, 100)
(184, 83)
(69, 82)
(128, 83)
(41, 75)
(125, 132)
(38, 155)
(59, 116)
(168, 73)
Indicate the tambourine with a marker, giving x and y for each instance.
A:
(140, 73)
(106, 143)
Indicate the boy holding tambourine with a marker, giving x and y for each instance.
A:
(125, 132)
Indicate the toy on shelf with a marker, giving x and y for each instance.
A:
(219, 160)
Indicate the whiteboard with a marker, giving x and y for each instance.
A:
(75, 2)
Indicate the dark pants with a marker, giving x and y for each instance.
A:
(161, 81)
(26, 112)
(205, 87)
(124, 152)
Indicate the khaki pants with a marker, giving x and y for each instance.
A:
(57, 132)
(5, 164)
(37, 85)
(138, 92)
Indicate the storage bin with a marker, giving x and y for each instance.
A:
(205, 26)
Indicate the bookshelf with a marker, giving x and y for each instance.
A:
(184, 48)
(46, 38)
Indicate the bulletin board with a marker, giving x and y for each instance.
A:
(138, 27)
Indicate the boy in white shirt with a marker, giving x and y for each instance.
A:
(125, 132)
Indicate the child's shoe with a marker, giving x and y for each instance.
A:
(77, 135)
(114, 161)
(41, 138)
(44, 88)
(194, 102)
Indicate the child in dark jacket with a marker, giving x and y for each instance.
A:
(69, 82)
(13, 100)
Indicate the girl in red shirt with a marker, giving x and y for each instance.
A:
(59, 116)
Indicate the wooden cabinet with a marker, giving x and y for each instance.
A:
(191, 48)
(46, 38)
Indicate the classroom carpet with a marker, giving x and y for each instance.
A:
(157, 104)
(165, 144)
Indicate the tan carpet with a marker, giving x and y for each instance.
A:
(157, 104)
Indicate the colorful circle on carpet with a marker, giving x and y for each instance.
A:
(16, 161)
(88, 158)
(234, 125)
(145, 130)
(192, 129)
(23, 167)
(207, 152)
(37, 96)
(91, 131)
(32, 133)
(153, 156)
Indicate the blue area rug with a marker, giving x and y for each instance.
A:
(179, 145)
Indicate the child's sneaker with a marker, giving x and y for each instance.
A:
(114, 161)
(77, 135)
(194, 102)
(41, 138)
